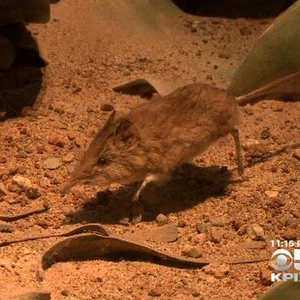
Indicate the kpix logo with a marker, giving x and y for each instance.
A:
(282, 260)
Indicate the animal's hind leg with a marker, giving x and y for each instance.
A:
(147, 180)
(236, 136)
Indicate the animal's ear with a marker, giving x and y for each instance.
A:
(110, 120)
(126, 132)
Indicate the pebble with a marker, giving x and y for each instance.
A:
(193, 252)
(69, 157)
(3, 159)
(242, 230)
(290, 234)
(161, 219)
(21, 181)
(22, 154)
(265, 277)
(5, 263)
(245, 31)
(52, 163)
(196, 294)
(256, 232)
(215, 235)
(272, 194)
(65, 292)
(224, 55)
(296, 154)
(154, 293)
(181, 223)
(57, 140)
(32, 192)
(71, 136)
(276, 203)
(167, 233)
(265, 134)
(290, 221)
(219, 271)
(217, 222)
(201, 228)
(106, 107)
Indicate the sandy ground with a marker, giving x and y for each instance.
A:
(87, 55)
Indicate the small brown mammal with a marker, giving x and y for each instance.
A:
(158, 136)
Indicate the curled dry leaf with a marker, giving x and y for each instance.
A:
(94, 246)
(145, 87)
(289, 290)
(274, 58)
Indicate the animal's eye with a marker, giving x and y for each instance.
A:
(102, 161)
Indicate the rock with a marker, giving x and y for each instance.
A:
(65, 292)
(290, 221)
(224, 55)
(181, 223)
(22, 154)
(14, 188)
(21, 181)
(7, 53)
(194, 28)
(106, 107)
(215, 235)
(71, 136)
(192, 252)
(256, 151)
(256, 232)
(52, 163)
(242, 230)
(154, 293)
(245, 31)
(296, 154)
(6, 263)
(217, 222)
(57, 140)
(167, 233)
(32, 192)
(69, 157)
(272, 194)
(3, 190)
(276, 203)
(201, 228)
(27, 111)
(161, 219)
(265, 277)
(265, 134)
(196, 294)
(249, 244)
(3, 159)
(219, 271)
(290, 234)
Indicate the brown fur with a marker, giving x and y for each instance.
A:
(157, 136)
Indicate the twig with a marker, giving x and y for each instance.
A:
(24, 215)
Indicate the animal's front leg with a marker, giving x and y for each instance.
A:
(147, 180)
(236, 136)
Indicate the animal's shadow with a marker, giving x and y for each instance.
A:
(191, 185)
(21, 84)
